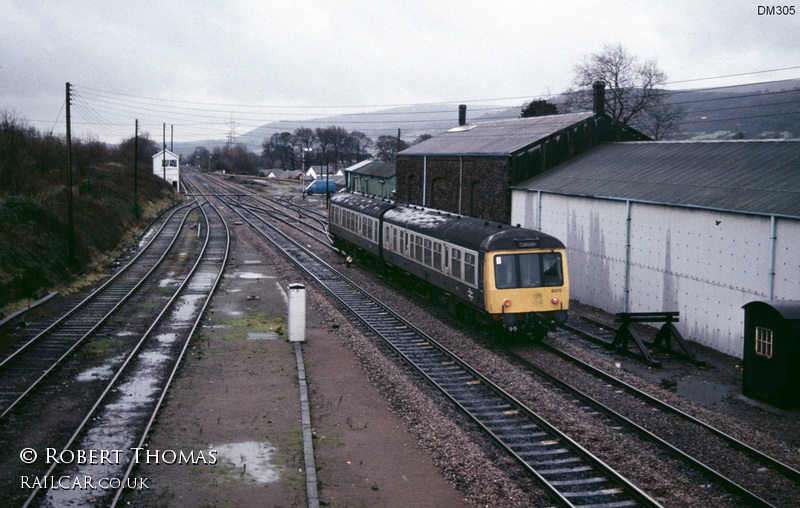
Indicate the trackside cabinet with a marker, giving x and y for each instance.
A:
(772, 352)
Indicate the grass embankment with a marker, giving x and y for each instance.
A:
(33, 227)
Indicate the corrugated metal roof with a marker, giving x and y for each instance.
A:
(495, 138)
(747, 176)
(378, 169)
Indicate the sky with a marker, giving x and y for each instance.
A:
(209, 68)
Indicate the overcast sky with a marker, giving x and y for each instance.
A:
(202, 65)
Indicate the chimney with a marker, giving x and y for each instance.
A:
(599, 98)
(462, 114)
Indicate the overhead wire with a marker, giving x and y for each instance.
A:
(111, 112)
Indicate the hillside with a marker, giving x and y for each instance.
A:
(753, 111)
(33, 217)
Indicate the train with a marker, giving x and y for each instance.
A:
(510, 280)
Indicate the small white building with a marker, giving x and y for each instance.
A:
(166, 165)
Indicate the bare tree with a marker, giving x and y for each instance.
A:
(388, 146)
(634, 90)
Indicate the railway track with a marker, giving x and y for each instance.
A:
(27, 365)
(106, 393)
(766, 481)
(571, 474)
(680, 436)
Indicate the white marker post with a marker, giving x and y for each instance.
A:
(297, 312)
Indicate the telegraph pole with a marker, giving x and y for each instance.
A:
(70, 223)
(164, 153)
(136, 171)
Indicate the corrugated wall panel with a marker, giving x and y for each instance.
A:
(704, 264)
(787, 261)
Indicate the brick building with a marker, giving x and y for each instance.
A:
(470, 168)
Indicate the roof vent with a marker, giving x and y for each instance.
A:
(462, 114)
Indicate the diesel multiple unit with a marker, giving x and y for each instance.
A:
(476, 269)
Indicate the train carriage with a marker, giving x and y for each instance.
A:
(498, 272)
(355, 220)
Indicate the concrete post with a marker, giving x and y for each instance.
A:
(297, 312)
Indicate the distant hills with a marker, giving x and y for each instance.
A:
(767, 110)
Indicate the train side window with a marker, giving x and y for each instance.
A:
(437, 256)
(428, 252)
(394, 239)
(456, 263)
(469, 268)
(418, 248)
(403, 242)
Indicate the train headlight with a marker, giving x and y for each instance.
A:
(555, 300)
(507, 303)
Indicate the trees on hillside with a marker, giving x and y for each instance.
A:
(634, 93)
(324, 145)
(539, 107)
(146, 148)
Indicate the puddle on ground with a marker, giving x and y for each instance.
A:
(253, 275)
(262, 335)
(250, 457)
(203, 279)
(145, 238)
(186, 309)
(104, 371)
(166, 338)
(702, 392)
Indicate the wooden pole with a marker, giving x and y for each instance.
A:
(70, 222)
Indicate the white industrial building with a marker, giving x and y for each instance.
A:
(166, 165)
(701, 228)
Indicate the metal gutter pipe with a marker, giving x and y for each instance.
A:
(772, 242)
(539, 211)
(627, 288)
(424, 179)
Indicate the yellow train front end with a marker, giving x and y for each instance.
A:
(526, 289)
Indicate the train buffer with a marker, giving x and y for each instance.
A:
(663, 338)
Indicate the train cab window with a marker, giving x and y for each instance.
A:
(505, 272)
(552, 274)
(528, 270)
